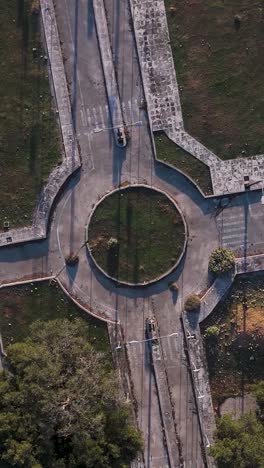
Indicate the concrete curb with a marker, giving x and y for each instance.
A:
(147, 283)
(166, 412)
(209, 463)
(71, 158)
(111, 85)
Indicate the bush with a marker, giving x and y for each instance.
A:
(111, 243)
(221, 261)
(192, 304)
(212, 332)
(173, 286)
(71, 259)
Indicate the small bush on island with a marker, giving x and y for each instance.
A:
(221, 261)
(71, 259)
(112, 243)
(192, 303)
(173, 286)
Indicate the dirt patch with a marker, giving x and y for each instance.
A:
(252, 320)
(235, 357)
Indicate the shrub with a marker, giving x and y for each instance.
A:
(111, 243)
(71, 259)
(221, 261)
(212, 332)
(192, 303)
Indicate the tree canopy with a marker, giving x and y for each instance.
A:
(239, 443)
(59, 403)
(221, 261)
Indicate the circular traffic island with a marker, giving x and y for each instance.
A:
(136, 235)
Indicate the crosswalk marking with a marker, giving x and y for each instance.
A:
(89, 118)
(233, 236)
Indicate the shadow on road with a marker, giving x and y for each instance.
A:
(90, 19)
(135, 292)
(183, 185)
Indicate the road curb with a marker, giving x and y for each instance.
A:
(164, 275)
(106, 55)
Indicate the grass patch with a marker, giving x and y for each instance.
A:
(29, 137)
(236, 355)
(23, 305)
(171, 153)
(220, 70)
(136, 234)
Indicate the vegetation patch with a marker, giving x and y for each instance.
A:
(21, 306)
(239, 444)
(136, 234)
(29, 137)
(60, 405)
(217, 49)
(234, 339)
(221, 261)
(171, 153)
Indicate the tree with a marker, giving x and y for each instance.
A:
(212, 332)
(221, 261)
(59, 403)
(240, 443)
(192, 303)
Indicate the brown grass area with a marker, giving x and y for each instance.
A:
(254, 319)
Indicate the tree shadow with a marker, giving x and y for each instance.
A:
(113, 261)
(184, 185)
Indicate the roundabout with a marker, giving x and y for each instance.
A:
(136, 235)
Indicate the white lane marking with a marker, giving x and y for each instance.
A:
(89, 118)
(83, 118)
(231, 223)
(103, 123)
(233, 230)
(95, 118)
(108, 120)
(130, 110)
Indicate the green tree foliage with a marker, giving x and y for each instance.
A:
(59, 404)
(240, 443)
(212, 332)
(258, 391)
(221, 261)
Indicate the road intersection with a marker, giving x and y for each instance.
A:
(105, 166)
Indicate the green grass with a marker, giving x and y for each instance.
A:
(149, 230)
(29, 137)
(171, 153)
(236, 357)
(220, 70)
(20, 306)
